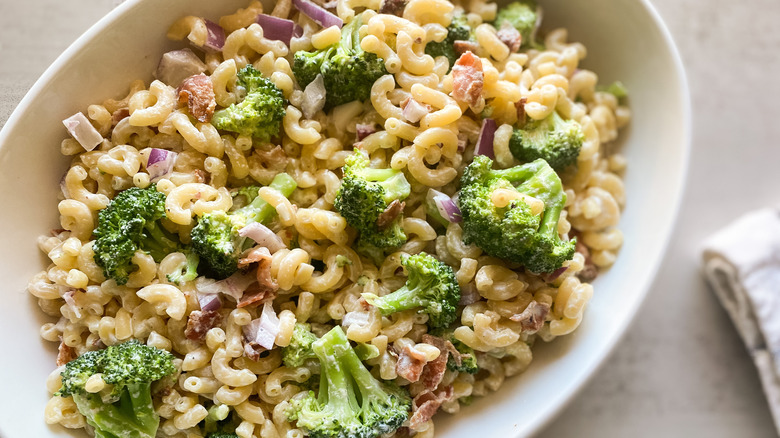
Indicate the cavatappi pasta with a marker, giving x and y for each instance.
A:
(319, 274)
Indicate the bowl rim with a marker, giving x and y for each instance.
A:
(565, 398)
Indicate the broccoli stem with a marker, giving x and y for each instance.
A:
(159, 241)
(402, 299)
(259, 210)
(340, 395)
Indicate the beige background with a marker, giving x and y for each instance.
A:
(681, 370)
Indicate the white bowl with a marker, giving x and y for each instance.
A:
(625, 39)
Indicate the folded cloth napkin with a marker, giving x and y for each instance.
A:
(742, 264)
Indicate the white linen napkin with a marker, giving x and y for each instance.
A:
(742, 264)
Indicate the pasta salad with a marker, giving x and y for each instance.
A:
(328, 219)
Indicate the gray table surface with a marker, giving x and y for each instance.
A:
(681, 369)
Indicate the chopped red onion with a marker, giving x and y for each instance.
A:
(485, 140)
(275, 28)
(160, 163)
(317, 13)
(233, 286)
(71, 302)
(177, 65)
(446, 207)
(81, 129)
(313, 97)
(463, 141)
(414, 111)
(556, 273)
(64, 186)
(363, 130)
(209, 302)
(263, 236)
(297, 31)
(215, 40)
(263, 330)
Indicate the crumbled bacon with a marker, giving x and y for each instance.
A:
(520, 107)
(274, 159)
(589, 271)
(434, 370)
(510, 36)
(197, 92)
(463, 46)
(253, 350)
(532, 318)
(425, 405)
(118, 115)
(410, 364)
(266, 287)
(392, 7)
(468, 80)
(200, 175)
(390, 214)
(200, 322)
(65, 354)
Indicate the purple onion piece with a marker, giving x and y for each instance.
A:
(297, 31)
(275, 28)
(317, 13)
(209, 302)
(263, 330)
(215, 40)
(446, 209)
(160, 163)
(263, 236)
(363, 130)
(80, 128)
(556, 273)
(485, 140)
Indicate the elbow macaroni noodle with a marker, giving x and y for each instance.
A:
(318, 272)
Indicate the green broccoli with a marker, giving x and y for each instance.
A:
(522, 16)
(431, 287)
(215, 237)
(188, 272)
(125, 407)
(365, 194)
(347, 70)
(553, 139)
(458, 30)
(468, 358)
(260, 113)
(351, 402)
(616, 89)
(299, 348)
(513, 232)
(131, 221)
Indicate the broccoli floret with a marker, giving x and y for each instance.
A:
(188, 272)
(215, 237)
(468, 362)
(129, 369)
(351, 402)
(616, 89)
(431, 287)
(131, 221)
(553, 139)
(260, 113)
(513, 232)
(299, 349)
(458, 30)
(365, 194)
(522, 16)
(347, 70)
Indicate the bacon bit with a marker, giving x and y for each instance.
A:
(414, 111)
(468, 80)
(425, 405)
(363, 130)
(410, 364)
(200, 322)
(65, 354)
(119, 115)
(520, 106)
(274, 159)
(462, 46)
(363, 303)
(532, 318)
(510, 36)
(392, 7)
(266, 286)
(434, 370)
(200, 175)
(390, 214)
(198, 93)
(253, 350)
(589, 271)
